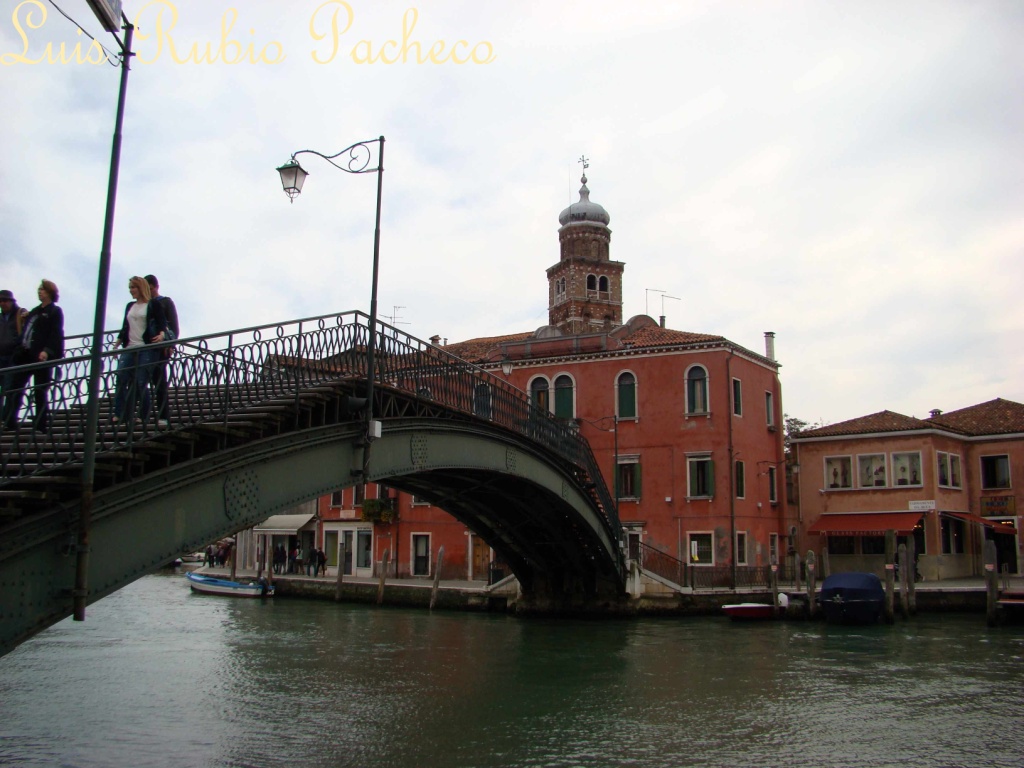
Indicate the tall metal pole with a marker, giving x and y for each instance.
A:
(372, 346)
(81, 590)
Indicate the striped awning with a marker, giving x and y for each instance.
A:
(283, 525)
(866, 523)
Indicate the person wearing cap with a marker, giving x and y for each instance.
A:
(42, 339)
(160, 368)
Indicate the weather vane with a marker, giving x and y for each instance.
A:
(586, 163)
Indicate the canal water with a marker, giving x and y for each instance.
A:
(158, 676)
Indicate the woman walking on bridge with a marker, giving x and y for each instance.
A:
(144, 324)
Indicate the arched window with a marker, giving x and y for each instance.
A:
(591, 283)
(539, 394)
(697, 390)
(626, 387)
(565, 407)
(602, 284)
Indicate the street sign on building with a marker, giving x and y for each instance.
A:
(998, 506)
(108, 12)
(922, 506)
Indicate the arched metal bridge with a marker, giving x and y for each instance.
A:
(262, 419)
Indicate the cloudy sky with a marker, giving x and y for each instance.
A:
(848, 175)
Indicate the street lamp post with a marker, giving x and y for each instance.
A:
(357, 159)
(80, 593)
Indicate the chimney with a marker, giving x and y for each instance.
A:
(435, 339)
(662, 321)
(769, 344)
(935, 412)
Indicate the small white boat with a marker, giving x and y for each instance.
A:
(212, 585)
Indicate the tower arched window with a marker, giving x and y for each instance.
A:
(591, 282)
(626, 395)
(697, 390)
(602, 284)
(565, 391)
(540, 393)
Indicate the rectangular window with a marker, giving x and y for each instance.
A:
(942, 467)
(419, 501)
(336, 499)
(701, 482)
(628, 479)
(838, 472)
(871, 471)
(906, 469)
(872, 545)
(773, 548)
(364, 549)
(741, 548)
(421, 554)
(769, 409)
(995, 471)
(359, 491)
(741, 481)
(737, 397)
(840, 545)
(954, 471)
(773, 494)
(701, 552)
(952, 536)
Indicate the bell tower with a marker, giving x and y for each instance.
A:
(585, 286)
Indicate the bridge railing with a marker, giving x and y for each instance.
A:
(211, 376)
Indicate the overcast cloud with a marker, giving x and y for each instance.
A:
(848, 175)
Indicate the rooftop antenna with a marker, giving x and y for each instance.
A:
(647, 296)
(393, 317)
(663, 297)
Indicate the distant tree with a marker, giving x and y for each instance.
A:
(794, 426)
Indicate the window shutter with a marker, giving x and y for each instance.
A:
(636, 478)
(711, 477)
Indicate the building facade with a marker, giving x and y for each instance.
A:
(947, 481)
(687, 428)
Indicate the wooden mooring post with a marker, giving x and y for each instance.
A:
(911, 575)
(991, 583)
(437, 576)
(812, 582)
(341, 573)
(901, 554)
(890, 576)
(383, 575)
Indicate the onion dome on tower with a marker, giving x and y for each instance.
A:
(585, 286)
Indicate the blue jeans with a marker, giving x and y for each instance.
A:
(134, 371)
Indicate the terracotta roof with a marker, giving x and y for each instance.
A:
(656, 336)
(996, 417)
(479, 350)
(883, 421)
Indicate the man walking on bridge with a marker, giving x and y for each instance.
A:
(163, 410)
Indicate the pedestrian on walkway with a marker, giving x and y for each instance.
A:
(144, 324)
(160, 377)
(42, 340)
(12, 320)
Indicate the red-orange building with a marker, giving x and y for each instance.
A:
(948, 481)
(687, 427)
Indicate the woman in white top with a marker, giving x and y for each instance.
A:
(144, 324)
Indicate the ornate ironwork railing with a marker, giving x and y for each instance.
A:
(210, 377)
(752, 577)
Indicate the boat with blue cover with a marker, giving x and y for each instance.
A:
(212, 585)
(852, 598)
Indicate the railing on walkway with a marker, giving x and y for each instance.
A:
(210, 377)
(696, 576)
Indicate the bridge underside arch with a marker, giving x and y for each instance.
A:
(522, 502)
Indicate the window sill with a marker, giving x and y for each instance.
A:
(697, 415)
(700, 498)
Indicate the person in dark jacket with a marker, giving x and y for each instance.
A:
(163, 411)
(144, 324)
(42, 340)
(12, 320)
